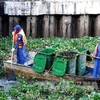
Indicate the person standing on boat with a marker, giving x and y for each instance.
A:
(96, 54)
(19, 39)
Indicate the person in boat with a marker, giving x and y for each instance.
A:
(96, 55)
(20, 41)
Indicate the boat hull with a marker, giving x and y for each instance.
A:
(27, 71)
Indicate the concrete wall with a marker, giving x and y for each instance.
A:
(40, 7)
(47, 18)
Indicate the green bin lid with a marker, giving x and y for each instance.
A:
(47, 51)
(59, 66)
(81, 49)
(39, 63)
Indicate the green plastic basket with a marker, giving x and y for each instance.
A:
(59, 66)
(39, 63)
(49, 53)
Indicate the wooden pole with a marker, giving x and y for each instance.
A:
(89, 55)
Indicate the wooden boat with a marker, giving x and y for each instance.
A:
(27, 71)
(47, 75)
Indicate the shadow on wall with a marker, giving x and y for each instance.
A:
(58, 26)
(74, 26)
(4, 26)
(92, 25)
(39, 26)
(75, 22)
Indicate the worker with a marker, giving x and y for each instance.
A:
(19, 39)
(96, 54)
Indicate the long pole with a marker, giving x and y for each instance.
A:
(12, 51)
(89, 55)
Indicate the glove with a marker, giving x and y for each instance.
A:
(13, 49)
(13, 33)
(93, 55)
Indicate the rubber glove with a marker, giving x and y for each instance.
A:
(13, 49)
(93, 55)
(13, 33)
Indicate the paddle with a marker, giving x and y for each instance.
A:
(11, 76)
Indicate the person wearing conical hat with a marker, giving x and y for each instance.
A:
(20, 41)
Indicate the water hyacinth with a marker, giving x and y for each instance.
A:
(40, 43)
(63, 90)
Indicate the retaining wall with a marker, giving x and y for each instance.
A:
(47, 18)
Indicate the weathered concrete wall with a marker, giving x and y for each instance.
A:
(48, 18)
(51, 26)
(17, 8)
(97, 26)
(33, 27)
(40, 7)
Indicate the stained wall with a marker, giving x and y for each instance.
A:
(48, 18)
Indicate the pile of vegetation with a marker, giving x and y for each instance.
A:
(68, 54)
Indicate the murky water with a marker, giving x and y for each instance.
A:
(5, 84)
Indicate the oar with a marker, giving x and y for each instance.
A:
(11, 76)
